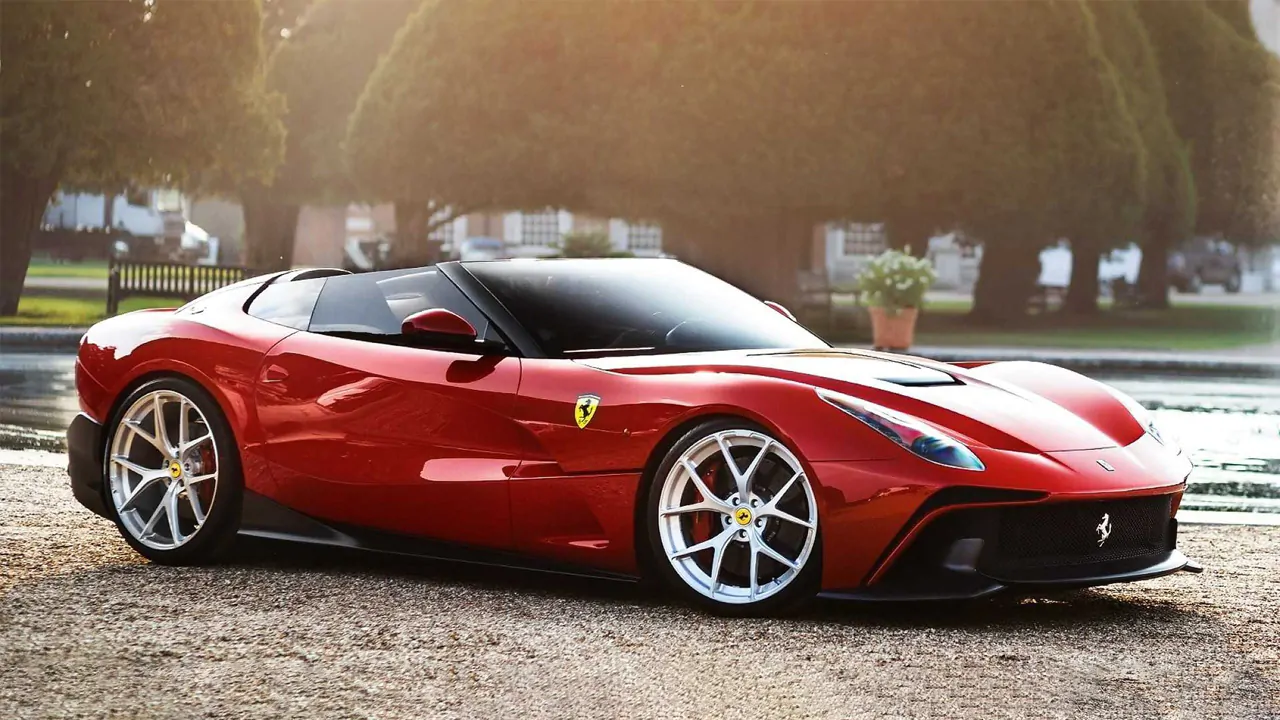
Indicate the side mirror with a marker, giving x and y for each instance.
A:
(439, 322)
(781, 310)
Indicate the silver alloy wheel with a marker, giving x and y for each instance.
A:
(163, 466)
(763, 519)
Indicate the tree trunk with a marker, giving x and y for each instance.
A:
(269, 231)
(1153, 273)
(763, 256)
(1006, 279)
(22, 203)
(413, 246)
(910, 235)
(1082, 293)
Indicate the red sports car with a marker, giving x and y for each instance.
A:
(621, 418)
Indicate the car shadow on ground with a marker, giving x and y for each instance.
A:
(1094, 607)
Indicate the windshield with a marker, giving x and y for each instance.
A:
(584, 308)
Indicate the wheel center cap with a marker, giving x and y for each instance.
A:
(742, 515)
(175, 470)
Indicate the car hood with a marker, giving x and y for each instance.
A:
(976, 407)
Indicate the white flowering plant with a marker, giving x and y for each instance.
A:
(895, 280)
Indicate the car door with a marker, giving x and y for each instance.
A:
(364, 431)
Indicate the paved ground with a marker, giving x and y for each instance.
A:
(87, 629)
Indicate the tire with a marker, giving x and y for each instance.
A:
(143, 485)
(780, 522)
(1232, 285)
(1193, 285)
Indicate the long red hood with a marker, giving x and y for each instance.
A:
(983, 406)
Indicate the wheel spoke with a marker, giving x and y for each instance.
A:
(755, 465)
(764, 548)
(162, 432)
(201, 478)
(183, 428)
(138, 430)
(171, 509)
(194, 442)
(134, 494)
(145, 472)
(754, 572)
(774, 512)
(718, 558)
(739, 479)
(197, 508)
(714, 507)
(707, 495)
(155, 515)
(773, 502)
(708, 544)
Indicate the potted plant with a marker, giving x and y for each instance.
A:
(892, 286)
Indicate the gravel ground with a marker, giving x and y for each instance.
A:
(88, 629)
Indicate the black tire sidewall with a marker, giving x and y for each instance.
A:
(790, 598)
(217, 534)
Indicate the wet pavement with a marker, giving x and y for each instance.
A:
(1230, 427)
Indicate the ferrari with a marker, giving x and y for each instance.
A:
(622, 418)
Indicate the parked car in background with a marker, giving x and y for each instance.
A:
(1205, 261)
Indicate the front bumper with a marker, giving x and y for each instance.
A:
(972, 552)
(84, 463)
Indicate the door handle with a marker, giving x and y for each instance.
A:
(274, 373)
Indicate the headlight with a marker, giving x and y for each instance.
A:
(1145, 419)
(917, 437)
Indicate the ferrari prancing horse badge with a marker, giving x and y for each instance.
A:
(585, 409)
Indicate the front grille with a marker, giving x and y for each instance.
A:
(1063, 536)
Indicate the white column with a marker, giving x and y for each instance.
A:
(511, 228)
(618, 234)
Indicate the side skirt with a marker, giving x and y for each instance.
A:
(262, 517)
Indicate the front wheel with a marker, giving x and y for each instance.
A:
(172, 468)
(733, 522)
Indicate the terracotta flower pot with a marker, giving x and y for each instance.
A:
(893, 331)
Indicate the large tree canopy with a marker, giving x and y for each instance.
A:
(1220, 84)
(740, 125)
(100, 94)
(320, 69)
(1169, 213)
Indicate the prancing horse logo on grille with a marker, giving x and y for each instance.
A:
(1104, 529)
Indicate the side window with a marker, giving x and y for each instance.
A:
(377, 303)
(288, 303)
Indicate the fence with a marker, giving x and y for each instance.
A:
(158, 279)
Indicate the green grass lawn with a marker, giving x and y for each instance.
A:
(45, 268)
(1183, 327)
(74, 311)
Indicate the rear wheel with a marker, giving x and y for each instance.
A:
(733, 522)
(172, 471)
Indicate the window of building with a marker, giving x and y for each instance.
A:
(862, 238)
(540, 228)
(644, 237)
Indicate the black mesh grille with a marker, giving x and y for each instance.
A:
(1071, 534)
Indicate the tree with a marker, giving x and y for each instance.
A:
(1169, 212)
(101, 94)
(320, 68)
(1220, 85)
(739, 126)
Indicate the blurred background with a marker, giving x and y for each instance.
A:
(1095, 184)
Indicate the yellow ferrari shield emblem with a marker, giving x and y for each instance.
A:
(175, 470)
(743, 516)
(585, 409)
